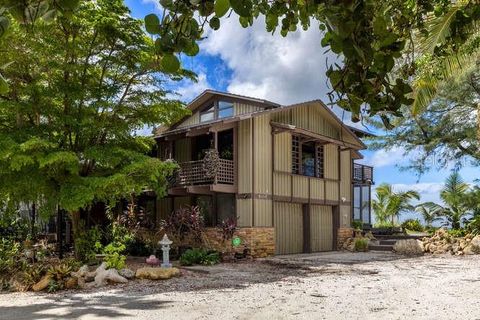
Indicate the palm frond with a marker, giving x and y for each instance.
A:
(424, 90)
(438, 29)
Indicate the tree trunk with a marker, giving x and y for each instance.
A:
(75, 216)
(60, 232)
(478, 122)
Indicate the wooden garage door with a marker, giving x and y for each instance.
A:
(288, 228)
(321, 228)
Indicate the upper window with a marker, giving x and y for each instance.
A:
(307, 158)
(217, 110)
(208, 114)
(225, 109)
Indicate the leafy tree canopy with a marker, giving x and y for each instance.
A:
(445, 132)
(376, 39)
(81, 85)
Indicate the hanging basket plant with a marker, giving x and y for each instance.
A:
(211, 163)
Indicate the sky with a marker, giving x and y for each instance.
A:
(287, 70)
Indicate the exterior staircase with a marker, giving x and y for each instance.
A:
(386, 242)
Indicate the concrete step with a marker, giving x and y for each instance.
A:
(379, 247)
(389, 242)
(397, 237)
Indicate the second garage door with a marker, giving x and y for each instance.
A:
(321, 228)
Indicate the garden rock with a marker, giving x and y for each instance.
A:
(408, 247)
(442, 242)
(103, 276)
(157, 273)
(127, 273)
(469, 250)
(81, 283)
(82, 272)
(42, 284)
(475, 244)
(71, 283)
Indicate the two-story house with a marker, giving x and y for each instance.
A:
(286, 173)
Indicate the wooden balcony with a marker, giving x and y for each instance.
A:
(362, 174)
(192, 178)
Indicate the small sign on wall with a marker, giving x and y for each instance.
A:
(236, 241)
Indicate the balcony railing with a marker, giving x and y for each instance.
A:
(362, 173)
(192, 173)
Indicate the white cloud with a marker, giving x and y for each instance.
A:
(429, 191)
(188, 89)
(385, 158)
(156, 4)
(284, 70)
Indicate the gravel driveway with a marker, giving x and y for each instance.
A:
(316, 286)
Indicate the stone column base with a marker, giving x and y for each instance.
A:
(342, 235)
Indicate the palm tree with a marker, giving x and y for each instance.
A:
(435, 69)
(389, 204)
(430, 212)
(453, 196)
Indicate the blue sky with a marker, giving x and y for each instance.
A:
(285, 70)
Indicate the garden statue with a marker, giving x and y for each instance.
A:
(165, 243)
(152, 260)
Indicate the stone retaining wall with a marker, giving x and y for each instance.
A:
(342, 235)
(258, 241)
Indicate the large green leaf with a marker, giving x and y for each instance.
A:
(241, 7)
(170, 63)
(214, 23)
(152, 24)
(221, 7)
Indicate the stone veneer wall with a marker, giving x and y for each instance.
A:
(342, 235)
(260, 241)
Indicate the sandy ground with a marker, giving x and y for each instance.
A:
(317, 286)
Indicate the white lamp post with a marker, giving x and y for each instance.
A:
(165, 243)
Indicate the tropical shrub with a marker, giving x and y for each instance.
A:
(357, 224)
(457, 233)
(185, 221)
(12, 225)
(361, 244)
(412, 225)
(87, 243)
(199, 256)
(473, 225)
(228, 228)
(9, 254)
(384, 225)
(113, 255)
(119, 236)
(139, 248)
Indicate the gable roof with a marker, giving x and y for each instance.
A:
(208, 94)
(269, 107)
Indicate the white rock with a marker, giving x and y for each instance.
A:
(475, 244)
(103, 276)
(408, 247)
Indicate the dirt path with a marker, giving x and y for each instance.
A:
(323, 286)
